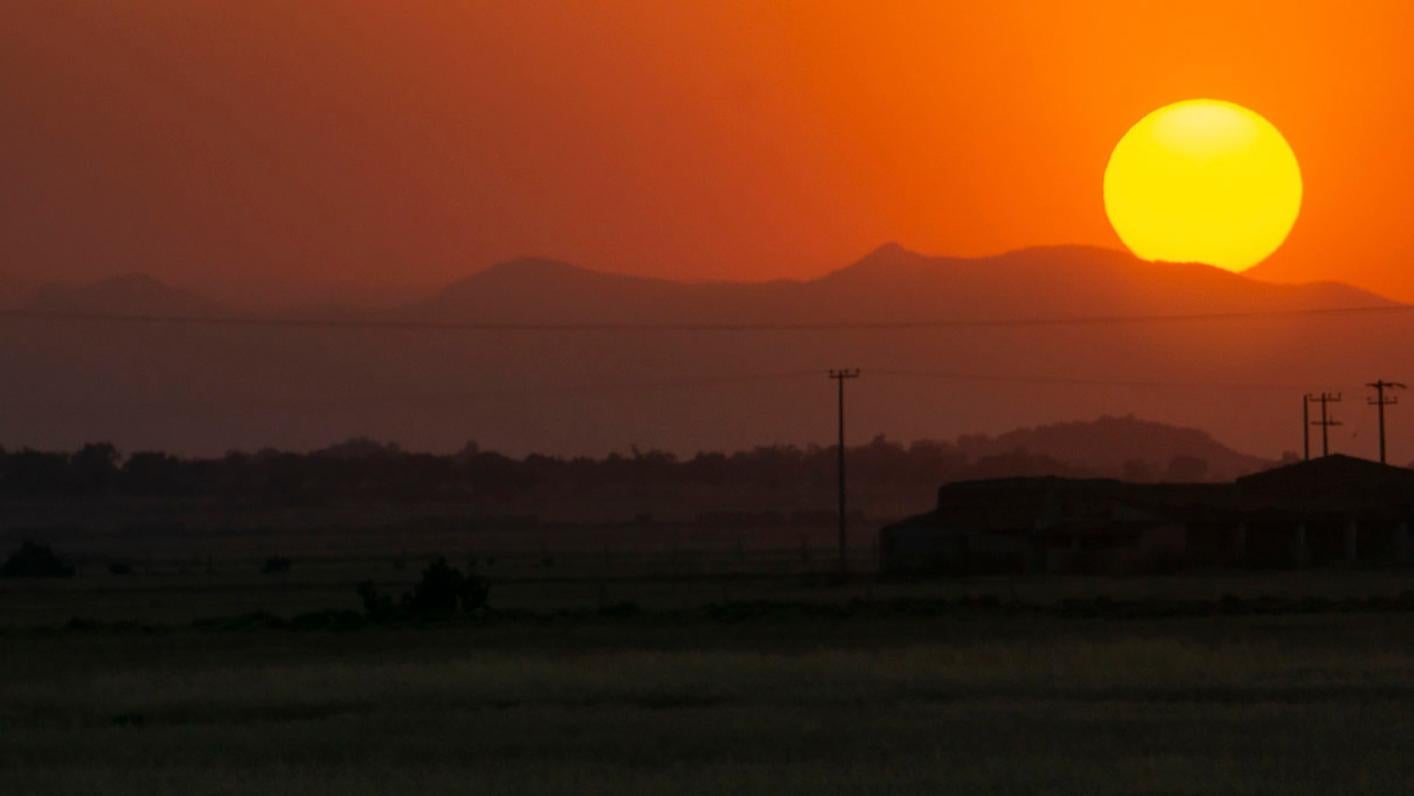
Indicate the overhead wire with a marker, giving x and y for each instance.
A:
(414, 324)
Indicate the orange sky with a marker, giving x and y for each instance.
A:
(235, 143)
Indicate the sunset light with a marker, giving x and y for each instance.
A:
(706, 396)
(1203, 181)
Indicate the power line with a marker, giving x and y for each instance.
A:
(1085, 382)
(414, 325)
(645, 386)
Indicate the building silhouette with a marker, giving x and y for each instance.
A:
(1332, 511)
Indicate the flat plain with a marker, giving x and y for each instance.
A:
(708, 686)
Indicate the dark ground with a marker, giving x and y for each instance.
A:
(824, 689)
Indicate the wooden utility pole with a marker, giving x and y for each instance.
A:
(1306, 427)
(1380, 402)
(840, 376)
(1326, 420)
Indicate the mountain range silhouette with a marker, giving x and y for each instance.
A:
(198, 388)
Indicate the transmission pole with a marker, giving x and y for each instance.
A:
(1380, 402)
(1326, 420)
(840, 376)
(1306, 427)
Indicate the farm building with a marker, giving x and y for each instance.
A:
(1332, 510)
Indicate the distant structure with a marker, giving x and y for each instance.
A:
(1332, 511)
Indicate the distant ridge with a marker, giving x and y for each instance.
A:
(890, 283)
(135, 294)
(1112, 445)
(934, 335)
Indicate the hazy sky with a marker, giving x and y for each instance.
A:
(254, 141)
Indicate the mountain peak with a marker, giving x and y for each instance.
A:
(893, 260)
(891, 252)
(887, 249)
(888, 258)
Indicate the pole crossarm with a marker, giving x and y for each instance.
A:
(1326, 421)
(1380, 401)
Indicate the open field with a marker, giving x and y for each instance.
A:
(704, 671)
(1294, 704)
(180, 591)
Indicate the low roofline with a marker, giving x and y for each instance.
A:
(1331, 461)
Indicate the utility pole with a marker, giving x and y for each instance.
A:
(1380, 402)
(1306, 427)
(1326, 420)
(840, 376)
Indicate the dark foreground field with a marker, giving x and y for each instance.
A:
(963, 701)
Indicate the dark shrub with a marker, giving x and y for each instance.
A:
(442, 592)
(375, 605)
(35, 561)
(436, 594)
(473, 593)
(120, 568)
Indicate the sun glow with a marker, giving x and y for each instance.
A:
(1203, 181)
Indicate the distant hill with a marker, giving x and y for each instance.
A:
(889, 284)
(1122, 447)
(15, 292)
(127, 294)
(207, 388)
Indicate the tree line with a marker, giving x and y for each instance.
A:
(368, 469)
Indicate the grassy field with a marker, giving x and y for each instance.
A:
(960, 703)
(179, 590)
(731, 673)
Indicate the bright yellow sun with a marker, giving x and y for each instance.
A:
(1203, 181)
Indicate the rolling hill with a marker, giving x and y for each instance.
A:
(889, 284)
(1147, 343)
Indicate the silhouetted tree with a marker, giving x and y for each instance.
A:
(364, 469)
(94, 466)
(153, 473)
(441, 593)
(378, 606)
(35, 561)
(444, 590)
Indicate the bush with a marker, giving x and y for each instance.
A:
(442, 592)
(35, 561)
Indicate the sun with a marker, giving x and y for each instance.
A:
(1203, 181)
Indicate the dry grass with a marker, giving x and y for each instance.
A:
(1289, 706)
